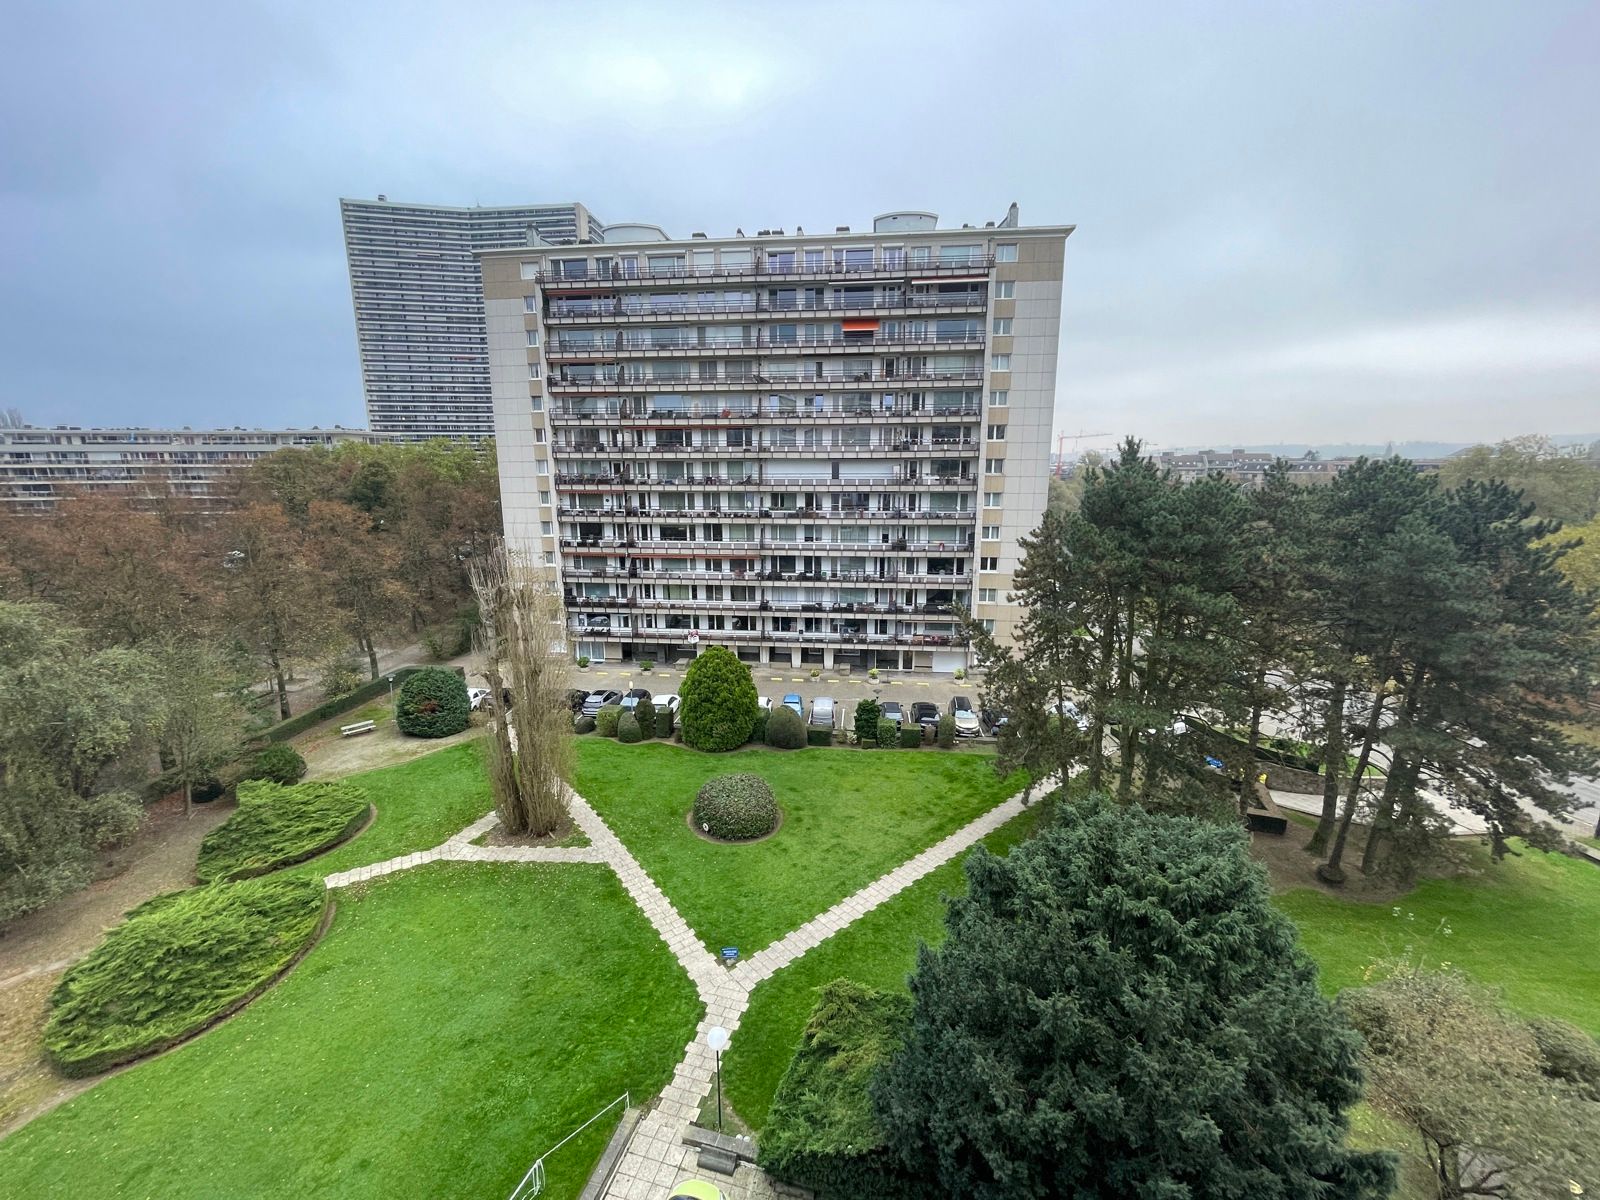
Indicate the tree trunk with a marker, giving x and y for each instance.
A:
(188, 799)
(1102, 694)
(282, 686)
(1255, 711)
(1130, 735)
(1332, 769)
(372, 656)
(1395, 784)
(1332, 871)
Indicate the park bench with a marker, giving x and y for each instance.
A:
(1264, 816)
(358, 728)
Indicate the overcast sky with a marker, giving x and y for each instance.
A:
(1296, 222)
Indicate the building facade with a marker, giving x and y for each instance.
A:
(37, 464)
(419, 306)
(809, 448)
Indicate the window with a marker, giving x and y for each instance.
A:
(994, 466)
(959, 256)
(544, 528)
(988, 595)
(988, 624)
(989, 562)
(997, 433)
(550, 560)
(991, 533)
(544, 497)
(1005, 252)
(780, 260)
(1002, 325)
(1005, 289)
(1000, 362)
(538, 435)
(999, 399)
(533, 367)
(537, 403)
(530, 270)
(992, 499)
(814, 260)
(533, 337)
(571, 268)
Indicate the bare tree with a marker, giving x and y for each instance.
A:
(523, 640)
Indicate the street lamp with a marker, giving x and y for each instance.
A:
(717, 1039)
(391, 691)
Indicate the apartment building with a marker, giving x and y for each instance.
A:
(37, 464)
(807, 447)
(419, 305)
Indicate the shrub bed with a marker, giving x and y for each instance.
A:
(819, 737)
(285, 730)
(910, 736)
(785, 729)
(663, 721)
(823, 1132)
(279, 762)
(736, 808)
(605, 721)
(276, 825)
(433, 704)
(947, 732)
(888, 735)
(174, 967)
(719, 701)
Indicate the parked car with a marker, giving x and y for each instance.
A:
(480, 698)
(993, 719)
(634, 696)
(598, 700)
(966, 716)
(764, 703)
(792, 700)
(925, 713)
(822, 712)
(890, 710)
(670, 702)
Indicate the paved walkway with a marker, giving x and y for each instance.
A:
(657, 1157)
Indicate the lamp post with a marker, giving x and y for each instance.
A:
(717, 1039)
(391, 691)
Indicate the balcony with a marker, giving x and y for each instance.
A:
(631, 411)
(617, 345)
(611, 308)
(610, 379)
(860, 265)
(899, 447)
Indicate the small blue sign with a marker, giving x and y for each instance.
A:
(730, 952)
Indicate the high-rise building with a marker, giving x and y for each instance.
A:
(419, 305)
(808, 447)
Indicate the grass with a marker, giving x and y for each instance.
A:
(420, 803)
(275, 826)
(879, 951)
(457, 1021)
(848, 817)
(176, 965)
(1520, 926)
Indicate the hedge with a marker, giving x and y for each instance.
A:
(285, 730)
(719, 701)
(663, 721)
(275, 826)
(888, 734)
(433, 704)
(176, 966)
(866, 722)
(628, 729)
(819, 737)
(823, 1132)
(786, 730)
(947, 732)
(736, 808)
(605, 720)
(910, 736)
(758, 730)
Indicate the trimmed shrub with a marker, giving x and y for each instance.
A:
(888, 735)
(785, 729)
(605, 721)
(758, 731)
(819, 737)
(175, 966)
(910, 736)
(628, 729)
(961, 672)
(947, 732)
(284, 730)
(584, 724)
(645, 714)
(647, 664)
(432, 704)
(736, 808)
(664, 721)
(276, 825)
(866, 722)
(719, 701)
(823, 1132)
(279, 762)
(583, 661)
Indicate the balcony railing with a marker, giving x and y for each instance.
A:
(761, 636)
(670, 307)
(608, 378)
(619, 343)
(767, 267)
(719, 409)
(957, 446)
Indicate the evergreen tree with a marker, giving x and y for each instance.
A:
(1118, 1010)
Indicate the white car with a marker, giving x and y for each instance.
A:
(479, 698)
(670, 700)
(765, 702)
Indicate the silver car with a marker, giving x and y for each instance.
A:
(822, 712)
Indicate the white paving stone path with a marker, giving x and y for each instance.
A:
(657, 1157)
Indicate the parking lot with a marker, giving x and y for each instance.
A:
(776, 682)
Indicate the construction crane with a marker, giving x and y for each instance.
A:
(1077, 441)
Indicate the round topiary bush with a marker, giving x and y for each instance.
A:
(645, 713)
(736, 808)
(785, 729)
(279, 763)
(719, 701)
(583, 725)
(432, 704)
(628, 729)
(605, 721)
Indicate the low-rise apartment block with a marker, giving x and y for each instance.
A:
(809, 447)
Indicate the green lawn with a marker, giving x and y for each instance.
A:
(420, 803)
(1526, 925)
(848, 817)
(458, 1020)
(879, 950)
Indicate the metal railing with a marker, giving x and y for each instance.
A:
(621, 344)
(635, 377)
(671, 306)
(532, 1183)
(820, 406)
(587, 273)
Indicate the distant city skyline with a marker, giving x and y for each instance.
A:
(1367, 223)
